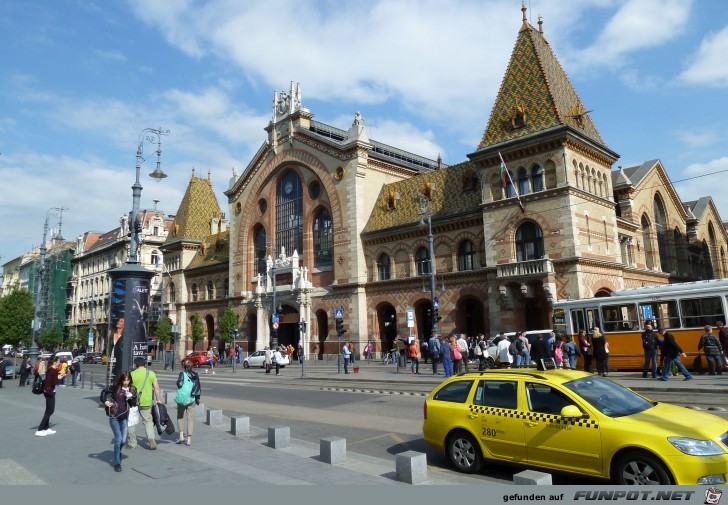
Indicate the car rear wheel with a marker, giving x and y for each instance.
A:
(246, 364)
(489, 362)
(639, 469)
(463, 452)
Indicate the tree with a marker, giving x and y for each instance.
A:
(197, 330)
(50, 336)
(228, 323)
(164, 330)
(16, 315)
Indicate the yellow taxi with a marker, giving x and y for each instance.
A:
(572, 421)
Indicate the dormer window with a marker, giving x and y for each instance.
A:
(519, 115)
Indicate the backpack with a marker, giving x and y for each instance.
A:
(558, 355)
(649, 342)
(184, 393)
(513, 348)
(519, 345)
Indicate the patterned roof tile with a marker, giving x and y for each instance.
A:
(199, 204)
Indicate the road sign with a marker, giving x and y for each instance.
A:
(275, 318)
(410, 318)
(275, 326)
(339, 313)
(91, 339)
(436, 303)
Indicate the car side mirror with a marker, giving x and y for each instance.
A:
(571, 411)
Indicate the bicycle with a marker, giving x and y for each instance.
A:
(386, 357)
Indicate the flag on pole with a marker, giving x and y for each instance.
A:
(505, 177)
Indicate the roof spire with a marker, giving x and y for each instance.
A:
(208, 174)
(524, 26)
(540, 24)
(193, 171)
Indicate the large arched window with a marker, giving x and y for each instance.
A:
(422, 259)
(537, 178)
(647, 242)
(529, 242)
(260, 251)
(466, 256)
(661, 232)
(383, 267)
(507, 182)
(210, 290)
(194, 292)
(289, 215)
(172, 294)
(523, 185)
(322, 239)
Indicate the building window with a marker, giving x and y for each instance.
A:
(289, 215)
(529, 242)
(537, 178)
(647, 242)
(322, 239)
(155, 258)
(523, 185)
(194, 292)
(466, 256)
(226, 288)
(507, 182)
(661, 232)
(383, 267)
(422, 259)
(210, 290)
(172, 295)
(260, 250)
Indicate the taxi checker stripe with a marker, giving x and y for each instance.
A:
(533, 416)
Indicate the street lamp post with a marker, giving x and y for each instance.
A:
(425, 213)
(130, 283)
(274, 320)
(33, 353)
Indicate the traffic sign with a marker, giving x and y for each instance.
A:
(275, 326)
(410, 318)
(275, 318)
(339, 313)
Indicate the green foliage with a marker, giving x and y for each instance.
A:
(164, 330)
(228, 323)
(197, 330)
(50, 336)
(16, 315)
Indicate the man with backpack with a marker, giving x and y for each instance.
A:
(672, 352)
(649, 345)
(712, 348)
(433, 346)
(188, 395)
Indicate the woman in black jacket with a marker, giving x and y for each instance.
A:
(599, 347)
(186, 400)
(118, 403)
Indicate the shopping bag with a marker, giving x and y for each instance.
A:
(134, 418)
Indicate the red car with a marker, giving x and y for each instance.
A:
(198, 358)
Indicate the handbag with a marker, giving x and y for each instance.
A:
(455, 353)
(134, 417)
(38, 386)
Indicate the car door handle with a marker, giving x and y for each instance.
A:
(472, 416)
(530, 424)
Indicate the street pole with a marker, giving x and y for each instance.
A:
(303, 348)
(174, 341)
(274, 312)
(426, 212)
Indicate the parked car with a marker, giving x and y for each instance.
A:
(257, 359)
(571, 421)
(197, 358)
(92, 358)
(7, 369)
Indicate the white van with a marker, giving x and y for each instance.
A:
(7, 349)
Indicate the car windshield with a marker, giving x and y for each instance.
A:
(608, 397)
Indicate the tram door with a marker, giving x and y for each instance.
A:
(585, 319)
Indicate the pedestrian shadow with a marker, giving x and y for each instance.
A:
(107, 456)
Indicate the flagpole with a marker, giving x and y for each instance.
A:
(515, 189)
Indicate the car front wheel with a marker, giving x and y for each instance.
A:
(246, 364)
(463, 452)
(639, 469)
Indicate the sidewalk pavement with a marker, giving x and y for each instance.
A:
(81, 452)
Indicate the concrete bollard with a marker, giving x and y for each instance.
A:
(532, 477)
(411, 467)
(214, 417)
(333, 450)
(279, 437)
(200, 410)
(83, 380)
(240, 425)
(92, 381)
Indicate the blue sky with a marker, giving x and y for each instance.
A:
(81, 79)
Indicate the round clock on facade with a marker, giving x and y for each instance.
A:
(288, 187)
(339, 173)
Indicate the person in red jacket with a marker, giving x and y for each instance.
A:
(49, 391)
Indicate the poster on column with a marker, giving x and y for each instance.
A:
(129, 322)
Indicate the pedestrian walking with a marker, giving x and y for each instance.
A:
(711, 347)
(41, 367)
(75, 371)
(369, 350)
(188, 395)
(345, 352)
(649, 346)
(673, 352)
(52, 379)
(586, 350)
(464, 352)
(211, 360)
(414, 357)
(121, 398)
(433, 346)
(480, 350)
(25, 370)
(268, 359)
(148, 393)
(445, 357)
(351, 352)
(599, 346)
(277, 359)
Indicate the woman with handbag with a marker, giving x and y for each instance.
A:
(188, 395)
(52, 379)
(121, 398)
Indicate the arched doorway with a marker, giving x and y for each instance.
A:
(322, 321)
(288, 332)
(210, 327)
(470, 316)
(423, 319)
(387, 316)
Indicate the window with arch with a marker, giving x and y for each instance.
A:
(155, 258)
(422, 260)
(172, 293)
(289, 214)
(322, 239)
(647, 242)
(384, 267)
(466, 256)
(194, 292)
(226, 288)
(537, 178)
(661, 232)
(508, 190)
(210, 290)
(260, 251)
(523, 183)
(529, 242)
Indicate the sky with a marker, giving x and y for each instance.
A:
(82, 79)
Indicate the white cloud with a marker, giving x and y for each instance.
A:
(702, 179)
(699, 137)
(708, 65)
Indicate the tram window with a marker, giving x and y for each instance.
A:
(665, 312)
(620, 317)
(698, 312)
(592, 317)
(577, 321)
(560, 321)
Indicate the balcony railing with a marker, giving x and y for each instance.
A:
(524, 268)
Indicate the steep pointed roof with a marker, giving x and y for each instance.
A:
(536, 86)
(199, 204)
(215, 250)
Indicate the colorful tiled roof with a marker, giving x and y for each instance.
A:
(199, 204)
(536, 84)
(215, 250)
(449, 197)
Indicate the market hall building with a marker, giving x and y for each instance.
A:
(324, 218)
